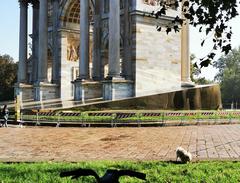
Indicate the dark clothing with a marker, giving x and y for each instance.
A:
(5, 114)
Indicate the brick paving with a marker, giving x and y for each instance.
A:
(76, 144)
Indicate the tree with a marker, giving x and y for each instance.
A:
(195, 73)
(207, 15)
(8, 76)
(229, 76)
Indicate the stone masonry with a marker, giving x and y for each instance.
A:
(111, 44)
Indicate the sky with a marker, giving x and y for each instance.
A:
(9, 34)
(9, 27)
(199, 52)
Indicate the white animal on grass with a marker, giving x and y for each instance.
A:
(183, 155)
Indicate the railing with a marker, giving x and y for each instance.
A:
(115, 119)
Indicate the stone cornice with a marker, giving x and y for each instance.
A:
(35, 4)
(23, 2)
(148, 14)
(33, 1)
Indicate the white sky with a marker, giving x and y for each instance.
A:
(196, 39)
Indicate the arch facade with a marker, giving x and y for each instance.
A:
(116, 54)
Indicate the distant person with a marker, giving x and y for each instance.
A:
(5, 114)
(1, 117)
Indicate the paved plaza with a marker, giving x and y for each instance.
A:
(76, 144)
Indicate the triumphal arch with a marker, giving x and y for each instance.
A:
(109, 49)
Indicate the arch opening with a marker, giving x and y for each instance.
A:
(71, 12)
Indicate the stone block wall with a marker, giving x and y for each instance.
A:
(49, 93)
(121, 89)
(46, 91)
(67, 69)
(87, 90)
(26, 92)
(157, 56)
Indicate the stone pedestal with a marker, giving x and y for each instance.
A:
(187, 84)
(117, 89)
(25, 91)
(45, 91)
(84, 90)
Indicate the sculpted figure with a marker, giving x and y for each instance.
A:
(151, 2)
(72, 53)
(72, 48)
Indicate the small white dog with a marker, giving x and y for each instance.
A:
(183, 155)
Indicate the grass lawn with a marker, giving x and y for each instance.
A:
(226, 171)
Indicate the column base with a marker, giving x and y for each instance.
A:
(25, 91)
(45, 91)
(118, 88)
(85, 89)
(187, 84)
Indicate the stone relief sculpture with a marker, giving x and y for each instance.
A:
(170, 3)
(72, 48)
(72, 53)
(152, 2)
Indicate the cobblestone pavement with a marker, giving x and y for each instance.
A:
(76, 144)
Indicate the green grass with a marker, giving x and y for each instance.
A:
(157, 172)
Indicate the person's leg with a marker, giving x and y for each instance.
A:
(5, 122)
(20, 124)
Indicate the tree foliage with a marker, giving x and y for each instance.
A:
(195, 73)
(229, 76)
(8, 76)
(208, 16)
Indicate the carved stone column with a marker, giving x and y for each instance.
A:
(114, 39)
(185, 55)
(55, 66)
(43, 90)
(43, 42)
(97, 42)
(23, 34)
(127, 62)
(83, 88)
(35, 40)
(115, 87)
(84, 40)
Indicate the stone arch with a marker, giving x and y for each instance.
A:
(104, 53)
(49, 62)
(70, 11)
(105, 42)
(50, 52)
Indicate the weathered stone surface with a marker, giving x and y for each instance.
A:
(117, 89)
(68, 69)
(157, 59)
(150, 6)
(26, 92)
(87, 90)
(46, 91)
